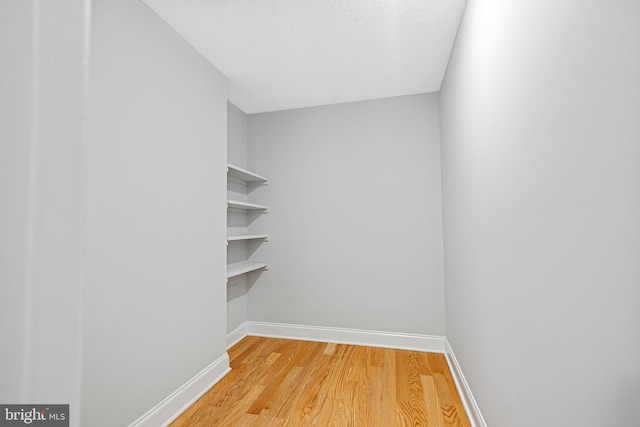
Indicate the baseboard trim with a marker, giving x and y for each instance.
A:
(177, 402)
(402, 341)
(236, 334)
(470, 405)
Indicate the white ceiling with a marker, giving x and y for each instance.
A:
(282, 54)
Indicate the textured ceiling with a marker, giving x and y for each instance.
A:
(281, 54)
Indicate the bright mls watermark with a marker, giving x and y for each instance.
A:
(36, 415)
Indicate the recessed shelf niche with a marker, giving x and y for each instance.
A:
(240, 213)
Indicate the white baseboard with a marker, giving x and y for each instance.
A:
(470, 405)
(432, 343)
(236, 335)
(177, 402)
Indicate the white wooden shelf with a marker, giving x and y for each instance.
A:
(246, 237)
(247, 179)
(244, 176)
(243, 267)
(245, 206)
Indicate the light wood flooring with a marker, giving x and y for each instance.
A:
(276, 382)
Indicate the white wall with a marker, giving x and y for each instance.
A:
(41, 188)
(16, 93)
(236, 136)
(354, 216)
(155, 296)
(237, 251)
(541, 186)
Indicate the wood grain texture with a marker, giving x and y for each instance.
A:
(277, 382)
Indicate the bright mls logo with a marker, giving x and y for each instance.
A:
(36, 415)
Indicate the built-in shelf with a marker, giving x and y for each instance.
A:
(243, 267)
(246, 237)
(246, 179)
(245, 176)
(235, 204)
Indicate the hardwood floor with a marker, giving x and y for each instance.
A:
(276, 382)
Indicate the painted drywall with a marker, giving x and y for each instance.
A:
(41, 170)
(236, 251)
(354, 222)
(541, 187)
(236, 136)
(16, 92)
(155, 293)
(283, 54)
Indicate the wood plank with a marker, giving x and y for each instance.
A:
(434, 413)
(241, 346)
(298, 357)
(451, 407)
(403, 413)
(268, 421)
(260, 354)
(330, 349)
(247, 420)
(333, 415)
(304, 384)
(357, 364)
(309, 404)
(423, 363)
(377, 395)
(279, 368)
(376, 356)
(442, 367)
(416, 393)
(402, 376)
(269, 401)
(238, 409)
(240, 351)
(339, 377)
(362, 394)
(390, 397)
